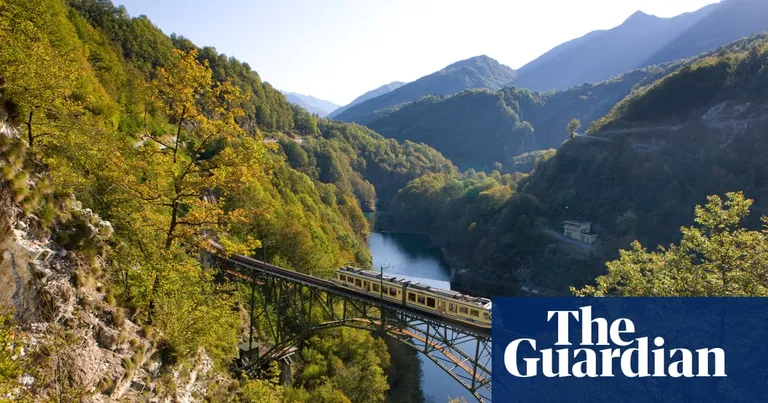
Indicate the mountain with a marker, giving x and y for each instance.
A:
(317, 106)
(476, 72)
(733, 19)
(368, 95)
(600, 55)
(700, 130)
(477, 128)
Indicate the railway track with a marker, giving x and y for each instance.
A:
(326, 285)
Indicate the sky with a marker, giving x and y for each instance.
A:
(339, 49)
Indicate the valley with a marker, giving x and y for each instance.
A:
(626, 162)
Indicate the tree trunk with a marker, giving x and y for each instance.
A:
(168, 244)
(172, 227)
(30, 138)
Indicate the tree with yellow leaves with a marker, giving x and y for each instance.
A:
(181, 172)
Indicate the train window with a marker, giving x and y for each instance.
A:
(430, 302)
(342, 277)
(393, 291)
(422, 300)
(475, 313)
(411, 297)
(358, 282)
(486, 316)
(463, 310)
(451, 308)
(375, 287)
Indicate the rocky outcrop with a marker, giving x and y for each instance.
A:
(79, 343)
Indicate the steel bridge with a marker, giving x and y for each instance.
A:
(289, 306)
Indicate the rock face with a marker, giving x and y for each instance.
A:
(78, 343)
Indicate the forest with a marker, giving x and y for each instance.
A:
(635, 186)
(165, 141)
(130, 149)
(480, 128)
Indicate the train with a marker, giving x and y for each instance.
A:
(450, 304)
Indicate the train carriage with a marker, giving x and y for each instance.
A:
(450, 304)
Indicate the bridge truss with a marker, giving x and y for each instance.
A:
(289, 307)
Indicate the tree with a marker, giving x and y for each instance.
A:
(204, 155)
(180, 171)
(39, 77)
(573, 127)
(716, 257)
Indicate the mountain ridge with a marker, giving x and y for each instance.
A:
(368, 95)
(314, 105)
(475, 72)
(602, 54)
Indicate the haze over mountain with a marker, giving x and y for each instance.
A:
(730, 20)
(600, 55)
(475, 72)
(368, 95)
(314, 105)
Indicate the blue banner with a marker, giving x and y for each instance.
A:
(630, 350)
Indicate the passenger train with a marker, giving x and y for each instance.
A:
(450, 304)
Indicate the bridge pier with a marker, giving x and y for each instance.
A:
(294, 306)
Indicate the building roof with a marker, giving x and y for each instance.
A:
(574, 222)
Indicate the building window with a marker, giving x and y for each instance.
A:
(430, 302)
(475, 313)
(463, 310)
(451, 308)
(422, 299)
(375, 287)
(411, 297)
(393, 291)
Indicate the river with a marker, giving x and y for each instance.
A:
(410, 256)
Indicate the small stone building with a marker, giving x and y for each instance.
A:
(579, 230)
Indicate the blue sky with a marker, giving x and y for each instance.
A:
(339, 49)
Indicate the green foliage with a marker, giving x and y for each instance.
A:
(345, 364)
(734, 72)
(362, 162)
(12, 363)
(477, 128)
(163, 139)
(259, 391)
(193, 313)
(573, 127)
(717, 257)
(491, 227)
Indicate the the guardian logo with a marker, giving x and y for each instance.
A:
(607, 350)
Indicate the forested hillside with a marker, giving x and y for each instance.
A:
(480, 129)
(356, 159)
(731, 73)
(639, 185)
(476, 72)
(164, 140)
